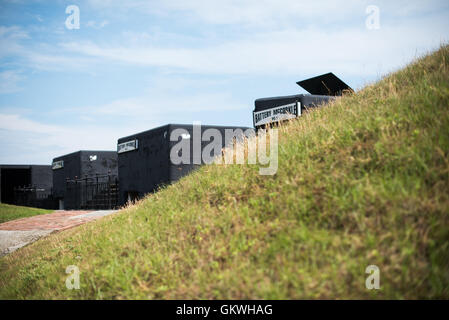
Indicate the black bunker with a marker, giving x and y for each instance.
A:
(26, 185)
(144, 158)
(322, 89)
(86, 180)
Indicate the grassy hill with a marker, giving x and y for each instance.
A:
(362, 181)
(9, 212)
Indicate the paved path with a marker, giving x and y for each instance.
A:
(18, 233)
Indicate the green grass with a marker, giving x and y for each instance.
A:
(362, 181)
(9, 212)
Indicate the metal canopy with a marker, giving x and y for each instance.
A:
(326, 84)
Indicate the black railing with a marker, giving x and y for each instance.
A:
(98, 192)
(32, 196)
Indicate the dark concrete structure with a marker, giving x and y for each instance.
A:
(144, 159)
(84, 165)
(36, 178)
(322, 89)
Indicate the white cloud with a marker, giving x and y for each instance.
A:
(97, 25)
(17, 45)
(246, 12)
(9, 80)
(271, 13)
(39, 142)
(289, 48)
(16, 123)
(165, 95)
(54, 61)
(9, 40)
(13, 32)
(291, 51)
(260, 12)
(97, 127)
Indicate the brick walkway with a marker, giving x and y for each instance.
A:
(18, 233)
(57, 220)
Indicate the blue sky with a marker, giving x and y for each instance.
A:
(134, 65)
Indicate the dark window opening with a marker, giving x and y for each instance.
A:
(13, 178)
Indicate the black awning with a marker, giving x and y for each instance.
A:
(327, 84)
